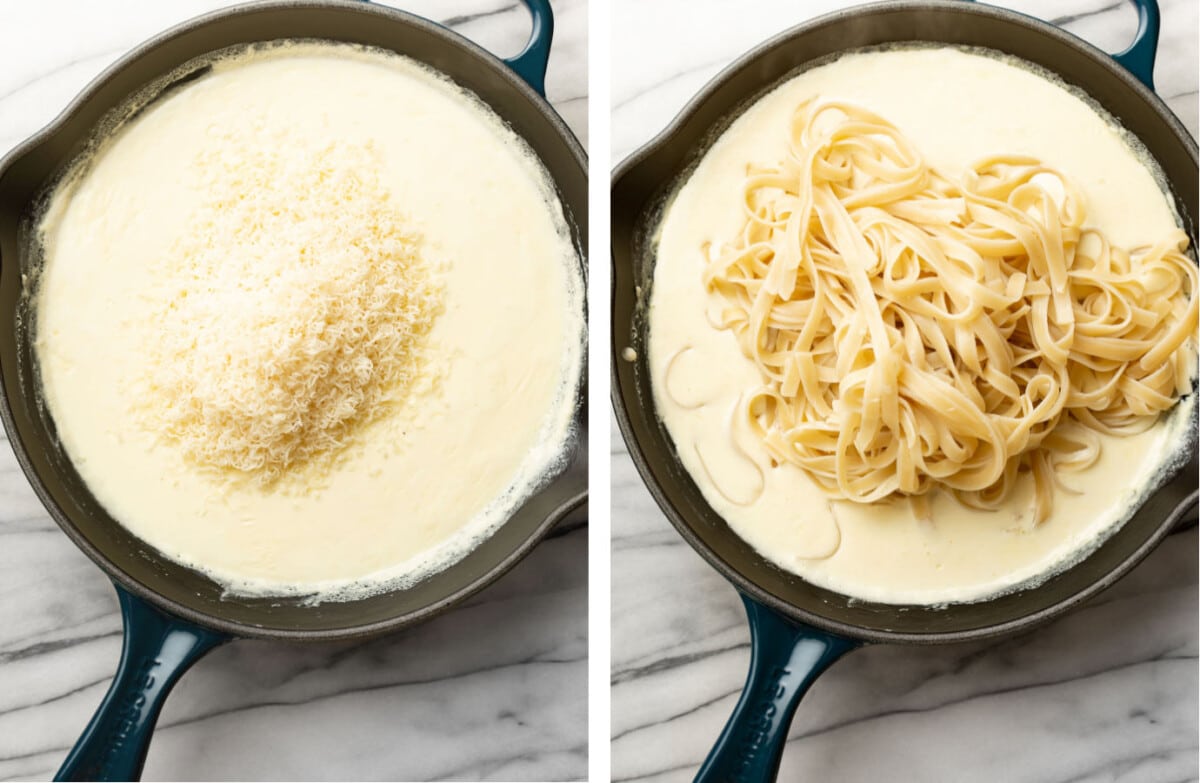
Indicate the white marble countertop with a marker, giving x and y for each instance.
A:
(494, 690)
(1107, 693)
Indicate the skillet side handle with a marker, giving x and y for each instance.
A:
(1138, 59)
(785, 658)
(531, 63)
(158, 648)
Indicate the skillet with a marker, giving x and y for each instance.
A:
(798, 629)
(173, 615)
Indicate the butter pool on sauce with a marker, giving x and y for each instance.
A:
(981, 105)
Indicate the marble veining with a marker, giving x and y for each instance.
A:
(1106, 693)
(496, 689)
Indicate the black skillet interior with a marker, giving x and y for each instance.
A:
(638, 193)
(136, 566)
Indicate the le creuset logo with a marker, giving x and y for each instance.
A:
(767, 708)
(128, 717)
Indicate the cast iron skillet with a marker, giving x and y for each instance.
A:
(798, 629)
(174, 615)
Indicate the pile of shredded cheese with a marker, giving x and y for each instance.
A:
(294, 310)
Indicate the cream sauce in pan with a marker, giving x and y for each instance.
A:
(424, 485)
(956, 106)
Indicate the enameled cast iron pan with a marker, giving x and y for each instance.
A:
(797, 629)
(172, 614)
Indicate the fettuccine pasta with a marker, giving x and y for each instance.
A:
(915, 331)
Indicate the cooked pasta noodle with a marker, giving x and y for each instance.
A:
(915, 331)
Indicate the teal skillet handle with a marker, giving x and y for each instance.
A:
(785, 658)
(531, 63)
(158, 649)
(1138, 59)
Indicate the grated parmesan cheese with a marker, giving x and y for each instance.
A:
(294, 310)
